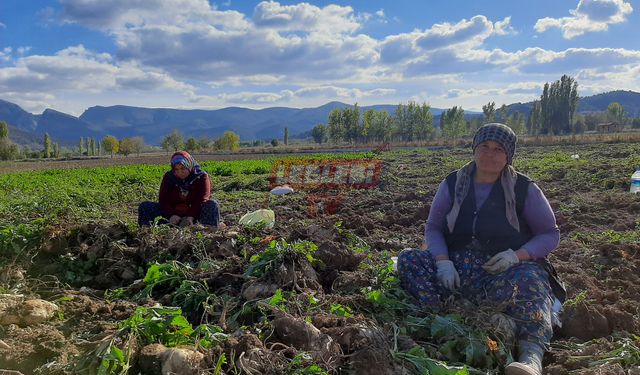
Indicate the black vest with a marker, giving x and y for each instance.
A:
(487, 229)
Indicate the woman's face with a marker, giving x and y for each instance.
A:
(181, 172)
(490, 157)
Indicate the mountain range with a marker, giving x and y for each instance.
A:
(155, 123)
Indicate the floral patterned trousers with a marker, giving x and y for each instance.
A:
(209, 215)
(521, 292)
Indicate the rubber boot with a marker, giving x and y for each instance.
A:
(529, 360)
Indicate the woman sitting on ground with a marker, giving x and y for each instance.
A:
(185, 196)
(488, 234)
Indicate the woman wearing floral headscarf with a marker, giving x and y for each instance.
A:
(184, 197)
(489, 231)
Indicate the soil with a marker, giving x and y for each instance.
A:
(78, 263)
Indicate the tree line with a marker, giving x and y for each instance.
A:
(554, 113)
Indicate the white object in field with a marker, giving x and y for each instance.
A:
(280, 190)
(635, 181)
(575, 156)
(263, 215)
(395, 263)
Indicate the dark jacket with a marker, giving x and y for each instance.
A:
(176, 201)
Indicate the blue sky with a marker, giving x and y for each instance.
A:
(69, 55)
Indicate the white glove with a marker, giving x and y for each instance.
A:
(447, 274)
(501, 261)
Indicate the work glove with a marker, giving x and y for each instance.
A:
(501, 261)
(447, 274)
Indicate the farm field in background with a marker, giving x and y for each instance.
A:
(312, 295)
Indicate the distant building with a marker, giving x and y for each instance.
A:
(609, 127)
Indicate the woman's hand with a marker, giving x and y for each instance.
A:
(501, 261)
(447, 274)
(174, 219)
(187, 220)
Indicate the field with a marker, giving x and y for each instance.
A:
(84, 290)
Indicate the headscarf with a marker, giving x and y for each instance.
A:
(195, 172)
(507, 139)
(498, 133)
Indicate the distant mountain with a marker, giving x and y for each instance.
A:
(63, 126)
(630, 100)
(15, 116)
(155, 123)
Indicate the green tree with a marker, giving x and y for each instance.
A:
(110, 144)
(535, 118)
(503, 113)
(402, 126)
(47, 146)
(203, 143)
(319, 133)
(126, 146)
(558, 106)
(56, 150)
(337, 130)
(489, 111)
(274, 142)
(92, 146)
(422, 120)
(8, 149)
(228, 141)
(138, 144)
(4, 130)
(635, 123)
(286, 136)
(191, 145)
(351, 118)
(453, 123)
(381, 129)
(81, 145)
(517, 123)
(616, 112)
(173, 142)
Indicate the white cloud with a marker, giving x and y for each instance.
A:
(589, 16)
(473, 31)
(396, 48)
(193, 40)
(332, 19)
(504, 27)
(78, 69)
(536, 60)
(5, 54)
(23, 50)
(331, 92)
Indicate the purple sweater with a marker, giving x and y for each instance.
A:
(536, 212)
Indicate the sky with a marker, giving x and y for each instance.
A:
(70, 55)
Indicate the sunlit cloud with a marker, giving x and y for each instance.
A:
(589, 16)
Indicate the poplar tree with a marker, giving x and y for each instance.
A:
(47, 146)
